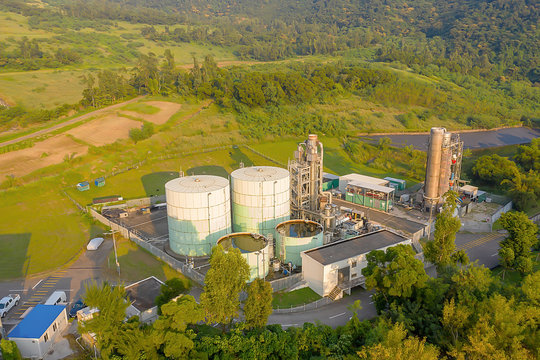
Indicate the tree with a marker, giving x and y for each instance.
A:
(258, 306)
(9, 350)
(224, 280)
(170, 333)
(396, 345)
(515, 250)
(395, 272)
(531, 288)
(171, 289)
(108, 323)
(455, 319)
(441, 250)
(528, 156)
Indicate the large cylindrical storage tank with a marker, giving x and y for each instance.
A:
(433, 166)
(255, 249)
(295, 236)
(260, 199)
(199, 213)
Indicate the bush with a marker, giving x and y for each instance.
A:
(143, 133)
(9, 350)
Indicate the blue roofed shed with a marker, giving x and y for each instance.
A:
(35, 334)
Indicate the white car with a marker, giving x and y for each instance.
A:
(94, 243)
(7, 302)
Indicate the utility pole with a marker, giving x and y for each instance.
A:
(114, 245)
(3, 334)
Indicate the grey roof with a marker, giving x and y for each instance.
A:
(379, 188)
(385, 219)
(345, 249)
(144, 293)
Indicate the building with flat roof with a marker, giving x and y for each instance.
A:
(331, 269)
(35, 334)
(142, 296)
(371, 195)
(346, 179)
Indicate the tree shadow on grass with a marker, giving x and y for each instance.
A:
(14, 258)
(154, 183)
(238, 156)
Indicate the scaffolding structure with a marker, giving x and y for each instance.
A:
(306, 172)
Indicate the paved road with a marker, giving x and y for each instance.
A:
(69, 122)
(471, 140)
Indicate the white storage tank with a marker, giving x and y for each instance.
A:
(255, 249)
(260, 199)
(295, 236)
(199, 213)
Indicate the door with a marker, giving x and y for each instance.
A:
(344, 274)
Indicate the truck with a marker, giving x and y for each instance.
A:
(7, 302)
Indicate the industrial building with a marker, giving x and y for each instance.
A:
(347, 179)
(260, 199)
(332, 269)
(254, 248)
(142, 296)
(199, 213)
(370, 195)
(36, 333)
(443, 167)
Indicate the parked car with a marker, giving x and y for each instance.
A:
(7, 302)
(78, 305)
(57, 297)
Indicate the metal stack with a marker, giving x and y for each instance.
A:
(443, 168)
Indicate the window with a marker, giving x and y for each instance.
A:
(46, 337)
(354, 275)
(54, 327)
(353, 264)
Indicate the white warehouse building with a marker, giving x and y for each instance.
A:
(331, 269)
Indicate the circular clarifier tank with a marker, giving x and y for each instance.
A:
(295, 236)
(199, 213)
(260, 199)
(255, 249)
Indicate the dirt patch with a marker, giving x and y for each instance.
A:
(105, 130)
(22, 162)
(166, 110)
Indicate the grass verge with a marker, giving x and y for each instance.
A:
(294, 298)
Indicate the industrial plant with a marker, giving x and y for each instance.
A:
(302, 220)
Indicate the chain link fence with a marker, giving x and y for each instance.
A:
(305, 307)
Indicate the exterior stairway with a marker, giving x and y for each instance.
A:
(335, 293)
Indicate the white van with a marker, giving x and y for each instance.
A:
(57, 297)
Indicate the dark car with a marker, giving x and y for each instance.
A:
(76, 307)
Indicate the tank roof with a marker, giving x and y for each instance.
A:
(299, 228)
(245, 242)
(197, 184)
(260, 173)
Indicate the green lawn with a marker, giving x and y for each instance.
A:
(40, 230)
(294, 298)
(137, 264)
(141, 108)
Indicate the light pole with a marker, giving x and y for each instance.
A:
(114, 245)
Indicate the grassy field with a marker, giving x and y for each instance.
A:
(294, 298)
(42, 88)
(141, 108)
(149, 179)
(39, 230)
(137, 264)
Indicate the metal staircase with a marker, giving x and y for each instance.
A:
(335, 293)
